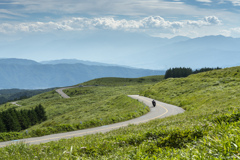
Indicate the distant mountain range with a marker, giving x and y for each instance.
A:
(141, 51)
(118, 49)
(75, 61)
(210, 51)
(110, 47)
(27, 74)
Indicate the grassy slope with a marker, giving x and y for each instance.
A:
(218, 88)
(111, 81)
(209, 129)
(89, 106)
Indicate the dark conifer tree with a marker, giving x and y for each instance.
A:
(13, 120)
(2, 125)
(23, 120)
(178, 72)
(16, 125)
(10, 121)
(41, 114)
(32, 116)
(26, 122)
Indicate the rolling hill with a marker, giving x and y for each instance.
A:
(99, 103)
(208, 129)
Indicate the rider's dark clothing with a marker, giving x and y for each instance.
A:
(154, 103)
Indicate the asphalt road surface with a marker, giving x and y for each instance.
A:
(160, 111)
(15, 103)
(60, 91)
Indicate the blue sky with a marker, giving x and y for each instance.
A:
(157, 18)
(169, 18)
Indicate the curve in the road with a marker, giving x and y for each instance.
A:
(15, 103)
(160, 111)
(60, 91)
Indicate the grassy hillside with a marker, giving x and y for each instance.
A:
(111, 81)
(88, 106)
(219, 88)
(209, 129)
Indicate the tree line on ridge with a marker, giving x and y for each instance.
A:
(184, 72)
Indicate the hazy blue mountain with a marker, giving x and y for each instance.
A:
(210, 51)
(178, 39)
(106, 47)
(75, 61)
(134, 50)
(38, 76)
(16, 61)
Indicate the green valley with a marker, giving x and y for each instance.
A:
(208, 129)
(88, 106)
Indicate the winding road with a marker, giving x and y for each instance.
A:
(15, 103)
(160, 111)
(60, 91)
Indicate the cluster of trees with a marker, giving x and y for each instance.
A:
(184, 72)
(178, 72)
(204, 70)
(16, 120)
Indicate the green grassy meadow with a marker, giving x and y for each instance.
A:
(111, 81)
(208, 129)
(88, 106)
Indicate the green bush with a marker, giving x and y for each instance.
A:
(7, 136)
(228, 118)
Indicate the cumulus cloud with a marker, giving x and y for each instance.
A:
(212, 20)
(207, 21)
(108, 23)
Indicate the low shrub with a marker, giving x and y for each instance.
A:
(7, 136)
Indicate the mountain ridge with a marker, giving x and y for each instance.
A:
(76, 61)
(40, 76)
(223, 51)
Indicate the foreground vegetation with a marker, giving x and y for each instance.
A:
(88, 107)
(209, 129)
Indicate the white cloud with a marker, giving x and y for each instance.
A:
(151, 24)
(207, 21)
(212, 20)
(234, 32)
